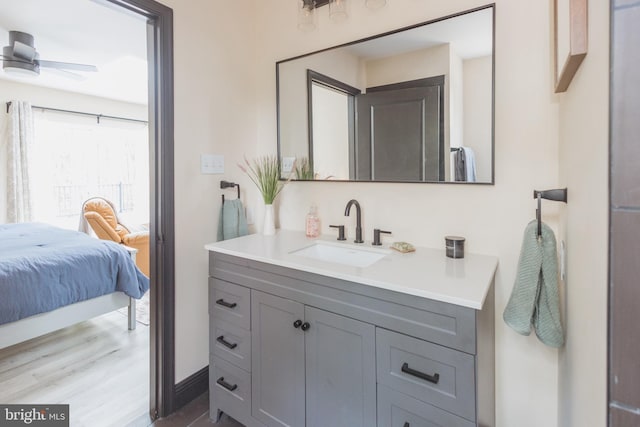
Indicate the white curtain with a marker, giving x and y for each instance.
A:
(20, 142)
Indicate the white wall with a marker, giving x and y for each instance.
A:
(418, 64)
(477, 113)
(456, 101)
(492, 218)
(215, 112)
(584, 156)
(53, 98)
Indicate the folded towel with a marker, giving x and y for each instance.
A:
(534, 299)
(460, 167)
(232, 222)
(469, 164)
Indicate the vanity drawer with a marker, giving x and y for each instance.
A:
(230, 388)
(399, 410)
(230, 303)
(429, 372)
(231, 343)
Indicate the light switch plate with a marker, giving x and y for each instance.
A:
(211, 164)
(287, 165)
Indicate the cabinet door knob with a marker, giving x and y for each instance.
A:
(226, 304)
(226, 343)
(297, 323)
(226, 385)
(406, 424)
(431, 378)
(305, 326)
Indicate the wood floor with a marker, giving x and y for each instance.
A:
(98, 367)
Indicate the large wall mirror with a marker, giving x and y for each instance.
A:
(413, 105)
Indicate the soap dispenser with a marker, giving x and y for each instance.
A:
(313, 223)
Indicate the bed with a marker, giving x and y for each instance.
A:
(51, 278)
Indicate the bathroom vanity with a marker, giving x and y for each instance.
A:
(319, 333)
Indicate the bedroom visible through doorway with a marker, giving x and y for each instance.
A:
(98, 367)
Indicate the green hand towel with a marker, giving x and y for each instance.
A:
(534, 299)
(232, 222)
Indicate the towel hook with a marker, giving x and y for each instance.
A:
(227, 184)
(558, 195)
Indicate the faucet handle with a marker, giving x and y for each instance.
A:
(340, 231)
(376, 236)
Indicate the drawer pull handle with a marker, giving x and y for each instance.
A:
(226, 385)
(297, 323)
(226, 304)
(431, 378)
(305, 326)
(225, 343)
(407, 424)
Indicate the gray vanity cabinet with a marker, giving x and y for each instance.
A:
(305, 354)
(340, 371)
(293, 348)
(277, 360)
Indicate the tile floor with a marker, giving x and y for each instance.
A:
(194, 414)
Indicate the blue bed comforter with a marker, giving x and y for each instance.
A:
(43, 267)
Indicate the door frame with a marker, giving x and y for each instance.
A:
(349, 91)
(162, 225)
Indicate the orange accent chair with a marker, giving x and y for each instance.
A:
(104, 221)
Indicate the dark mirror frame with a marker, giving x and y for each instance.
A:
(421, 24)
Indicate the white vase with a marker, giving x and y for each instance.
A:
(269, 226)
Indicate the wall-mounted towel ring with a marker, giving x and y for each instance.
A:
(558, 195)
(227, 184)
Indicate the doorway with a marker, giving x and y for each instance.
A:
(155, 36)
(331, 116)
(161, 226)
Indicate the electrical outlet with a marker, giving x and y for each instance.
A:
(211, 164)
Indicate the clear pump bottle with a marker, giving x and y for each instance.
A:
(313, 223)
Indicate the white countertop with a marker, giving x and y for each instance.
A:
(425, 273)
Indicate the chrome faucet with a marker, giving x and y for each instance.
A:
(358, 219)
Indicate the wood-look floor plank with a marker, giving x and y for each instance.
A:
(98, 367)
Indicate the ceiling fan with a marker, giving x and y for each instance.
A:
(21, 57)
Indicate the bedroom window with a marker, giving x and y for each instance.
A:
(77, 158)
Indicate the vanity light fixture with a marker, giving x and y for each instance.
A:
(307, 15)
(338, 11)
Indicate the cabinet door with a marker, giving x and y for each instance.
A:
(277, 361)
(340, 371)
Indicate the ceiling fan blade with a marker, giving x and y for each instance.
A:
(65, 73)
(67, 66)
(23, 51)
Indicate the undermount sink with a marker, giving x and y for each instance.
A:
(341, 254)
